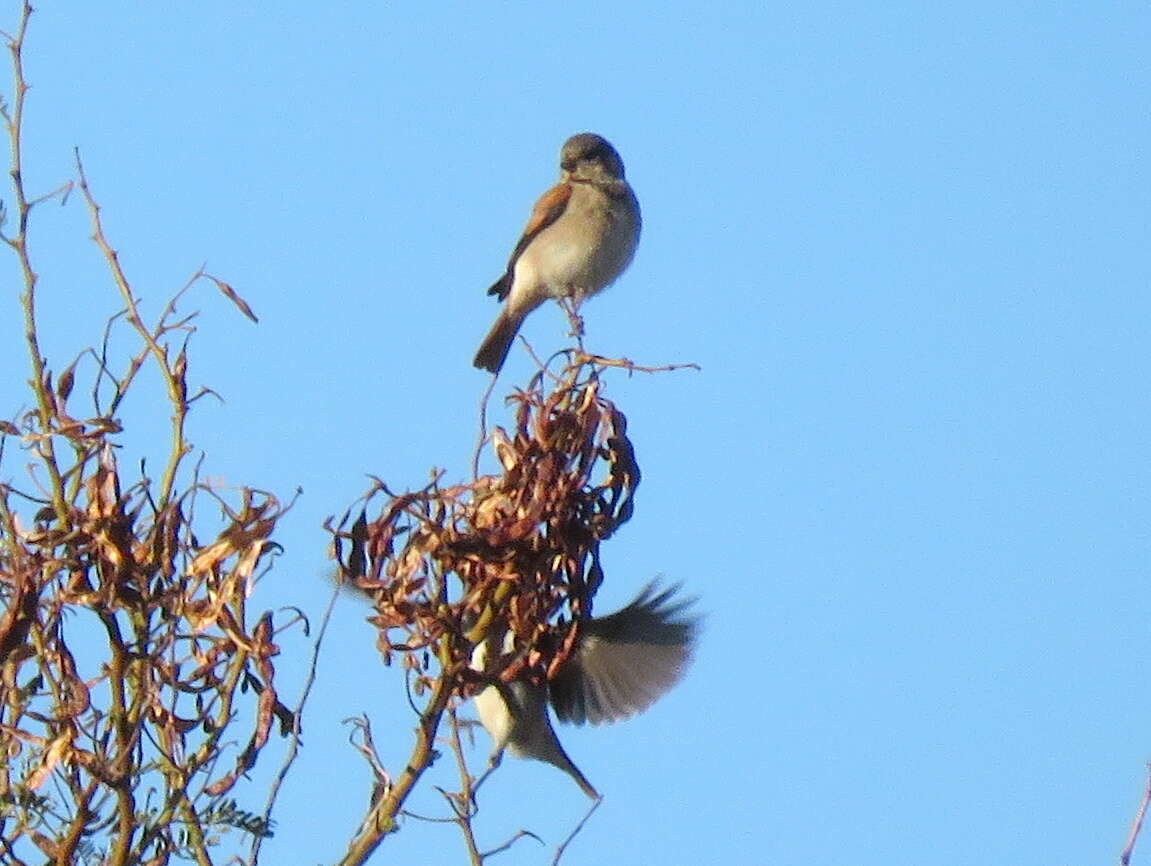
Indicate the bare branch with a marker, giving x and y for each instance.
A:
(1137, 824)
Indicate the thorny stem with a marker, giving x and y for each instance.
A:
(123, 557)
(14, 120)
(173, 378)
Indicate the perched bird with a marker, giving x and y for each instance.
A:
(581, 236)
(621, 665)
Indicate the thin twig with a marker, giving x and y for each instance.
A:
(631, 366)
(297, 715)
(19, 244)
(463, 803)
(381, 819)
(1137, 824)
(519, 834)
(483, 437)
(564, 844)
(172, 372)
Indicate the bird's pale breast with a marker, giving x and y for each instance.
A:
(587, 248)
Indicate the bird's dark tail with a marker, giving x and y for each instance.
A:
(494, 349)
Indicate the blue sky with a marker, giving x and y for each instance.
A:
(907, 244)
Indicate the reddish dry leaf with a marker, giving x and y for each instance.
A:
(19, 615)
(64, 386)
(234, 297)
(523, 544)
(52, 756)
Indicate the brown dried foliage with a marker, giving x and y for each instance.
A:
(515, 549)
(129, 660)
(126, 650)
(518, 547)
